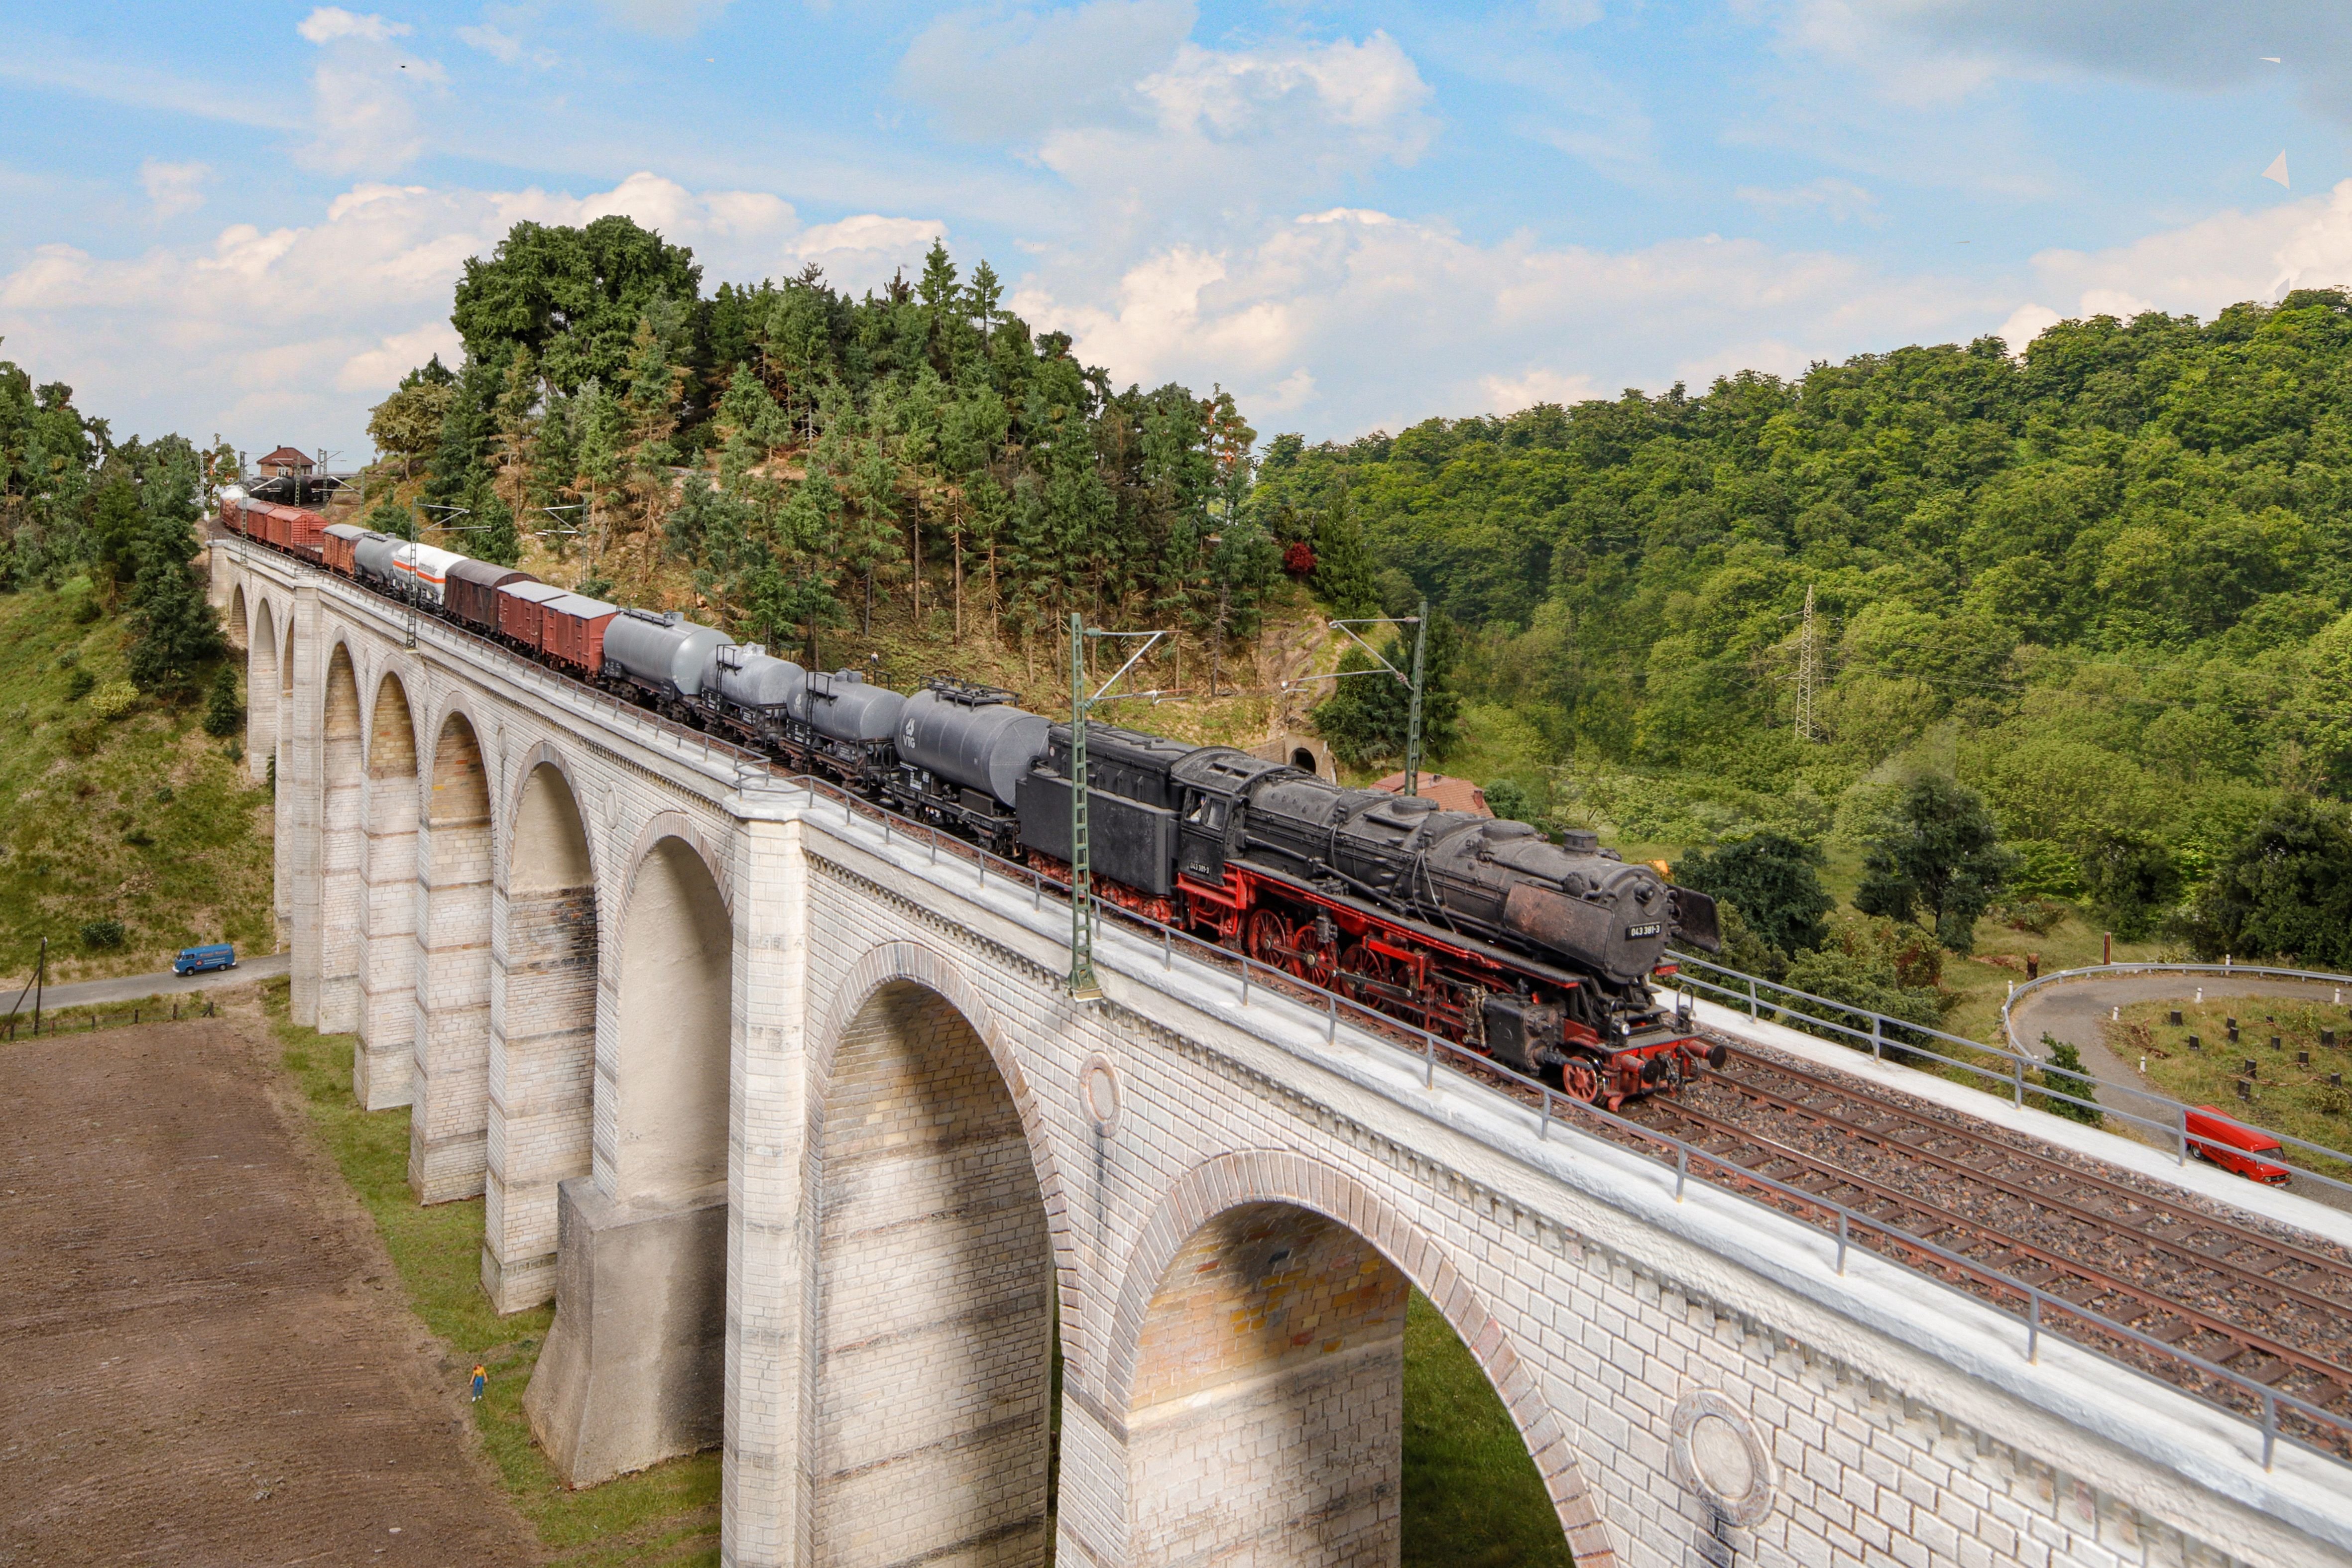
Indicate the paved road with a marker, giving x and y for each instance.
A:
(135, 988)
(2075, 1010)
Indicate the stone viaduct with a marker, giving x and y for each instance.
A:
(794, 1122)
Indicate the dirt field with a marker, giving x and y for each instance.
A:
(207, 1359)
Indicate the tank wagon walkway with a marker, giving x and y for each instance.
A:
(788, 1109)
(203, 1364)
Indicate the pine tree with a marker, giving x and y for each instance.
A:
(175, 631)
(224, 712)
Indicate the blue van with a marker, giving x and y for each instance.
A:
(196, 961)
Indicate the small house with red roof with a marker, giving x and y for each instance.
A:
(285, 463)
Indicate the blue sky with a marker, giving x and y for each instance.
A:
(1355, 216)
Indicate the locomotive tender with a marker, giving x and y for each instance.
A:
(1537, 954)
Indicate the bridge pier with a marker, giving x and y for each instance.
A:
(634, 1371)
(383, 1064)
(543, 1040)
(301, 801)
(841, 1119)
(341, 849)
(449, 1113)
(1268, 1403)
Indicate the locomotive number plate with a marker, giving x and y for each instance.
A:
(1651, 929)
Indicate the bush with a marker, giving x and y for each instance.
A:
(2038, 916)
(1774, 881)
(114, 699)
(79, 684)
(2063, 1055)
(234, 750)
(105, 933)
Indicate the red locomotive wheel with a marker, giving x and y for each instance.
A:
(1315, 958)
(1581, 1079)
(1265, 937)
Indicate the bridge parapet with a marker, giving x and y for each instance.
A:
(924, 1144)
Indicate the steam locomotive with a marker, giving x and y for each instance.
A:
(1537, 954)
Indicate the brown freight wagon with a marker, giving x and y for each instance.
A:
(571, 631)
(470, 591)
(336, 545)
(519, 604)
(305, 530)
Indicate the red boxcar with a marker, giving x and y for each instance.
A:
(519, 604)
(571, 631)
(470, 591)
(2214, 1136)
(336, 545)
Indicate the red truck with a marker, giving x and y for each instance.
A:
(2214, 1136)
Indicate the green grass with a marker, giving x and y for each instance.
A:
(143, 818)
(668, 1514)
(1472, 1496)
(2286, 1097)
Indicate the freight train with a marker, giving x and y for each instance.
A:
(1537, 954)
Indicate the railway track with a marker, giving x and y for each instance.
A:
(1993, 1213)
(2269, 1305)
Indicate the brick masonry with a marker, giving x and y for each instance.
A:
(1172, 1134)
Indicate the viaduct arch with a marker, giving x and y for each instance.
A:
(794, 1121)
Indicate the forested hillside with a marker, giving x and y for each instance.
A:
(2099, 583)
(2103, 583)
(127, 830)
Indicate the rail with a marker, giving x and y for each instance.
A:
(1548, 1102)
(2034, 1306)
(1901, 1035)
(625, 715)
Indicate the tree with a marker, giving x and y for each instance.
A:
(2284, 891)
(1368, 718)
(224, 711)
(571, 296)
(407, 425)
(173, 631)
(1772, 880)
(1345, 575)
(1939, 860)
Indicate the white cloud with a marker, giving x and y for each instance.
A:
(864, 252)
(993, 76)
(1510, 393)
(363, 95)
(503, 48)
(2025, 323)
(1395, 320)
(2205, 265)
(1159, 137)
(291, 333)
(1842, 200)
(330, 23)
(174, 188)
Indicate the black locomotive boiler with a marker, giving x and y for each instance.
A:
(1537, 954)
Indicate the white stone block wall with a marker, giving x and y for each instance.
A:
(542, 1072)
(342, 848)
(1597, 1318)
(934, 1300)
(449, 1108)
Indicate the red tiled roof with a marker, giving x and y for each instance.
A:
(284, 454)
(1451, 794)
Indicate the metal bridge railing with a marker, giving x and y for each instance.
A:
(2008, 1076)
(2034, 1306)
